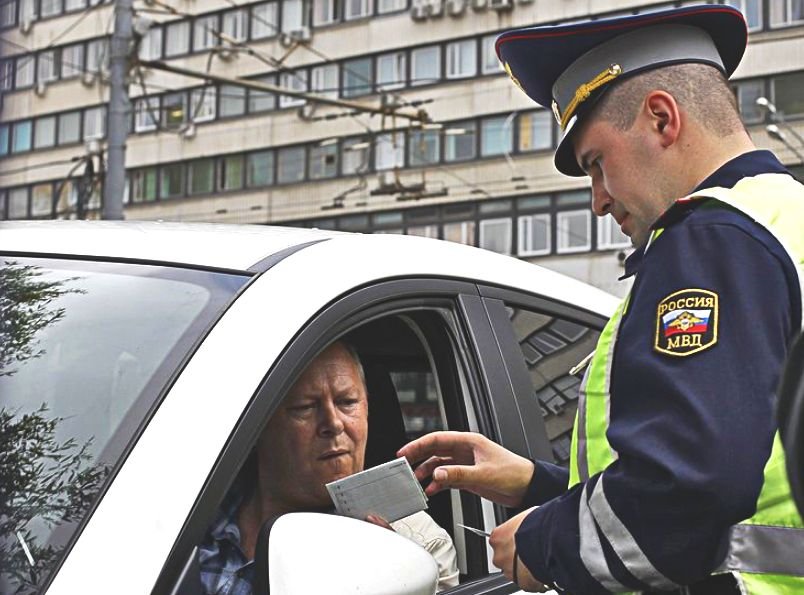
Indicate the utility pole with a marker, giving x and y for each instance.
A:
(119, 110)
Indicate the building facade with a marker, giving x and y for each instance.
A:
(463, 155)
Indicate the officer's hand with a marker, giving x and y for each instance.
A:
(502, 542)
(469, 461)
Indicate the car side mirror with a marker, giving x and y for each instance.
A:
(310, 552)
(790, 415)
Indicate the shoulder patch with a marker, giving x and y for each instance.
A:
(686, 322)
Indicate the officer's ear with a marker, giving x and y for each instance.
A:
(663, 117)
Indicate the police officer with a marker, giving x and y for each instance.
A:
(677, 479)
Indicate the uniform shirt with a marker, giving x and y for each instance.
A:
(693, 433)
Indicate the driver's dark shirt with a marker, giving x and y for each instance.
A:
(225, 570)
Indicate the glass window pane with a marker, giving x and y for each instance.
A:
(786, 12)
(45, 132)
(462, 232)
(534, 235)
(573, 231)
(174, 110)
(177, 38)
(357, 77)
(747, 93)
(292, 15)
(202, 104)
(204, 29)
(424, 147)
(424, 231)
(355, 156)
(231, 100)
(579, 198)
(69, 127)
(259, 101)
(324, 80)
(70, 5)
(143, 185)
(389, 151)
(324, 12)
(609, 234)
(295, 81)
(425, 65)
(495, 136)
(42, 200)
(172, 181)
(355, 9)
(21, 136)
(391, 69)
(146, 114)
(490, 64)
(260, 169)
(24, 76)
(97, 55)
(95, 122)
(27, 11)
(787, 95)
(8, 18)
(459, 141)
(495, 235)
(48, 8)
(6, 75)
(263, 20)
(384, 6)
(201, 174)
(235, 24)
(18, 203)
(231, 173)
(461, 59)
(290, 165)
(751, 9)
(151, 44)
(5, 138)
(46, 66)
(72, 60)
(323, 162)
(494, 206)
(535, 130)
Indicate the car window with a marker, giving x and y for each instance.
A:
(85, 351)
(551, 346)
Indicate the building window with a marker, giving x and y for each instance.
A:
(391, 70)
(292, 15)
(786, 12)
(49, 8)
(261, 101)
(151, 44)
(172, 181)
(18, 203)
(534, 235)
(535, 130)
(424, 231)
(495, 235)
(609, 234)
(8, 13)
(461, 59)
(204, 33)
(146, 110)
(174, 110)
(490, 64)
(46, 66)
(356, 9)
(357, 77)
(573, 231)
(389, 151)
(260, 169)
(787, 96)
(27, 11)
(45, 132)
(424, 147)
(460, 141)
(751, 9)
(323, 161)
(6, 75)
(202, 104)
(386, 6)
(69, 128)
(231, 100)
(263, 20)
(230, 175)
(461, 232)
(42, 201)
(293, 81)
(235, 24)
(72, 60)
(747, 93)
(72, 5)
(425, 65)
(495, 136)
(324, 12)
(24, 71)
(21, 136)
(143, 185)
(5, 137)
(290, 165)
(177, 38)
(94, 122)
(324, 80)
(97, 55)
(355, 158)
(201, 175)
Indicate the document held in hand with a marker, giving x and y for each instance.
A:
(390, 491)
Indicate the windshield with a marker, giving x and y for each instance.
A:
(86, 349)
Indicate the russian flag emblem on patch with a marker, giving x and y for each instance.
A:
(686, 322)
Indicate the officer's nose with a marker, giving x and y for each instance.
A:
(330, 423)
(601, 200)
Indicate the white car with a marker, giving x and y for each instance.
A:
(139, 362)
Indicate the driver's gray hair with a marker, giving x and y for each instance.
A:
(356, 357)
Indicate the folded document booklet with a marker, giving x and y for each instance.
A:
(390, 491)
